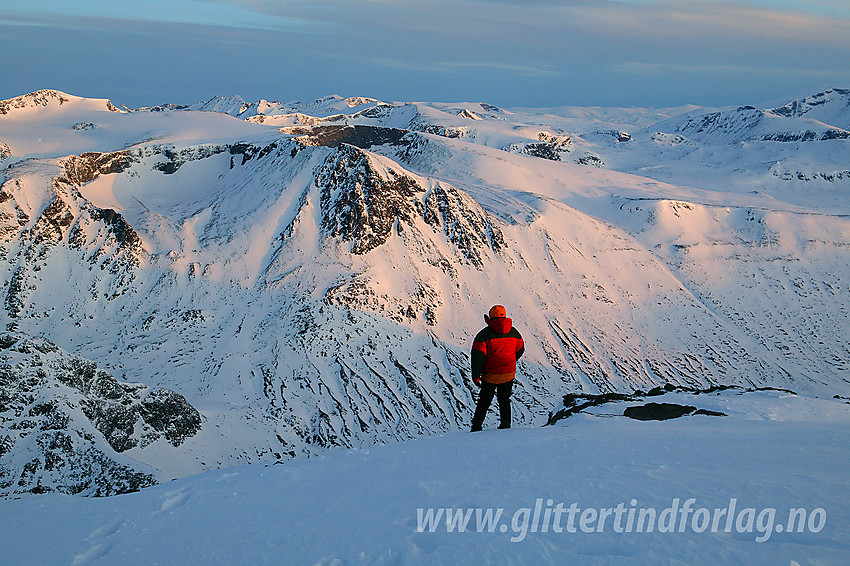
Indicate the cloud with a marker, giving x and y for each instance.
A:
(638, 68)
(506, 51)
(451, 67)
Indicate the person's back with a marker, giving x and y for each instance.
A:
(495, 352)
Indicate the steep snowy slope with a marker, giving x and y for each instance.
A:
(829, 107)
(318, 286)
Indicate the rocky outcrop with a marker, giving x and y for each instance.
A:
(363, 137)
(360, 203)
(806, 135)
(102, 235)
(468, 115)
(618, 135)
(829, 106)
(665, 412)
(550, 146)
(747, 124)
(363, 202)
(84, 168)
(64, 422)
(169, 414)
(575, 403)
(452, 132)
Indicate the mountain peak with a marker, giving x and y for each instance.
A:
(48, 98)
(831, 106)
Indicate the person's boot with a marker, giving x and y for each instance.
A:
(475, 428)
(505, 425)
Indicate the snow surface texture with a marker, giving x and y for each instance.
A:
(774, 451)
(309, 276)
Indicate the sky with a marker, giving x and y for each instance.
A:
(532, 53)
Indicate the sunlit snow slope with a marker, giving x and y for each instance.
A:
(311, 275)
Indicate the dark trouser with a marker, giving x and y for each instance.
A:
(485, 398)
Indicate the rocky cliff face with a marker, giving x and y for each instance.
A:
(62, 217)
(64, 422)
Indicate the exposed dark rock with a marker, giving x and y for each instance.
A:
(710, 413)
(666, 411)
(549, 146)
(123, 232)
(361, 205)
(661, 390)
(451, 132)
(831, 177)
(8, 340)
(43, 393)
(363, 137)
(806, 135)
(577, 402)
(363, 202)
(115, 422)
(590, 159)
(86, 167)
(175, 159)
(618, 135)
(463, 221)
(799, 108)
(163, 108)
(250, 151)
(658, 411)
(168, 412)
(541, 149)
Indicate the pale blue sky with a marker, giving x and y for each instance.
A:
(507, 52)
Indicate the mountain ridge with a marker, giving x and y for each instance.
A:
(315, 286)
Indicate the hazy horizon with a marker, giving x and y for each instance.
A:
(539, 53)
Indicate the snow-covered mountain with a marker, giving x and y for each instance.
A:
(310, 275)
(828, 107)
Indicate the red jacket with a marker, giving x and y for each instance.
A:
(495, 351)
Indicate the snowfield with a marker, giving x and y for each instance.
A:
(267, 309)
(774, 452)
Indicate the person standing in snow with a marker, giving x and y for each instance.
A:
(495, 352)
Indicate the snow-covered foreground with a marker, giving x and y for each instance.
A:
(773, 452)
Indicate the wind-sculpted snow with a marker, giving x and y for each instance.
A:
(318, 286)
